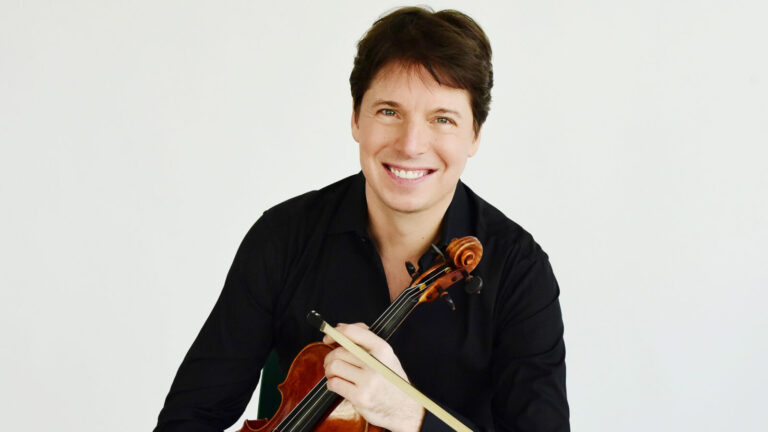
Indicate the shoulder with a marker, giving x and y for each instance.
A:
(312, 203)
(283, 232)
(287, 230)
(500, 232)
(307, 213)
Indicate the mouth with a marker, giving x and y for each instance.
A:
(407, 174)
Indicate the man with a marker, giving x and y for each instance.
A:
(421, 92)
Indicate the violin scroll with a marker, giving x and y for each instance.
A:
(465, 252)
(464, 255)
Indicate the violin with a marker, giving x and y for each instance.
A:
(307, 405)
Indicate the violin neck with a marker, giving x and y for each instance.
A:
(388, 322)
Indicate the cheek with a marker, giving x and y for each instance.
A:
(458, 163)
(370, 148)
(367, 149)
(454, 153)
(373, 139)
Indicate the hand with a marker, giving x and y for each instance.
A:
(380, 402)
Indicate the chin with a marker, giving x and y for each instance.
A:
(406, 205)
(408, 209)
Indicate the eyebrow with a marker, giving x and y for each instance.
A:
(378, 102)
(447, 111)
(397, 105)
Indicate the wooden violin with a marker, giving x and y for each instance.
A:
(307, 405)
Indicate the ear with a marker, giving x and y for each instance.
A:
(354, 126)
(475, 144)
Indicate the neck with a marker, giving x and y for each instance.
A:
(404, 235)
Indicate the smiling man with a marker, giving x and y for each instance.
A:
(421, 92)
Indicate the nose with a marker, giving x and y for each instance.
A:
(414, 138)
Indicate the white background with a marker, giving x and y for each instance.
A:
(140, 140)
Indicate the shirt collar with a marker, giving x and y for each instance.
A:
(352, 214)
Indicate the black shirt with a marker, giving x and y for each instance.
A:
(497, 361)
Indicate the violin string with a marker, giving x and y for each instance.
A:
(386, 319)
(290, 422)
(296, 419)
(299, 419)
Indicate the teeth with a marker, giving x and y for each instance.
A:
(404, 174)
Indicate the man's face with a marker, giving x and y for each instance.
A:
(415, 136)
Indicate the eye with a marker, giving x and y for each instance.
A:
(444, 120)
(388, 112)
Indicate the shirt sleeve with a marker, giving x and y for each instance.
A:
(218, 375)
(528, 366)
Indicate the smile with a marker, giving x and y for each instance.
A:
(407, 174)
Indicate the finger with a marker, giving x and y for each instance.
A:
(341, 387)
(361, 325)
(367, 339)
(342, 369)
(341, 354)
(329, 340)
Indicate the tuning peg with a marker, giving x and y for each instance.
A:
(438, 251)
(410, 268)
(473, 285)
(448, 299)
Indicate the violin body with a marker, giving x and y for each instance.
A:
(307, 405)
(305, 371)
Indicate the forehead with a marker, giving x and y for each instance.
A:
(414, 85)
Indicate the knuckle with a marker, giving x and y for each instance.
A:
(332, 367)
(382, 351)
(384, 347)
(331, 384)
(334, 354)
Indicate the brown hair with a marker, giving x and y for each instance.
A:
(448, 43)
